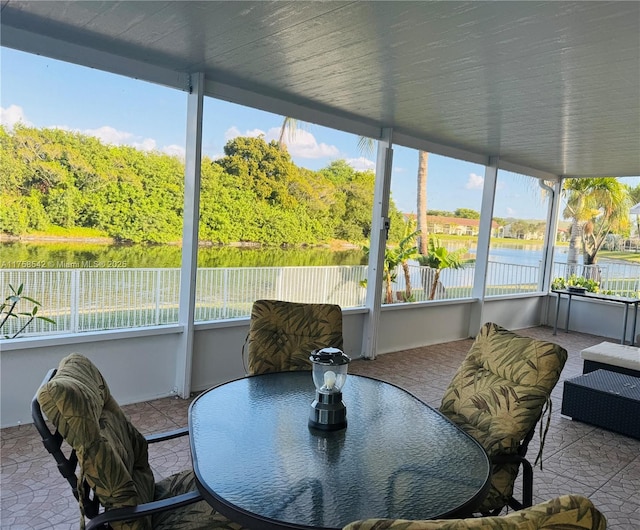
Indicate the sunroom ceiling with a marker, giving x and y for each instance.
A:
(549, 86)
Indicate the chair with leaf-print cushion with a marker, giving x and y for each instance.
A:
(565, 512)
(117, 487)
(282, 335)
(498, 395)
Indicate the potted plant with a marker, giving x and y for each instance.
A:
(8, 310)
(576, 283)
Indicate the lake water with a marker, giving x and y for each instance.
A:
(63, 255)
(91, 255)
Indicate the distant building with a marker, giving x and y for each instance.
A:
(518, 231)
(453, 226)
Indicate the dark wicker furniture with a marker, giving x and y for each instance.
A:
(606, 399)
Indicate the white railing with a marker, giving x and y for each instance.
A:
(99, 299)
(507, 278)
(229, 293)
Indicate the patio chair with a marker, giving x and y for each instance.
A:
(115, 486)
(283, 334)
(498, 396)
(566, 511)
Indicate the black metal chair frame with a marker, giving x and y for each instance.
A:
(527, 473)
(53, 442)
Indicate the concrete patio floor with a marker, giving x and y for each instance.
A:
(578, 458)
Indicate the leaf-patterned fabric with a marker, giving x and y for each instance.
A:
(112, 454)
(498, 394)
(566, 512)
(198, 516)
(282, 335)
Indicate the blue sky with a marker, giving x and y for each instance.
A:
(42, 92)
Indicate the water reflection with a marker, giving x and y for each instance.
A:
(62, 255)
(81, 255)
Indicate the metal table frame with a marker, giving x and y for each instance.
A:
(627, 301)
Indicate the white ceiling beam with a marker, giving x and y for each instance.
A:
(523, 170)
(439, 149)
(283, 107)
(35, 43)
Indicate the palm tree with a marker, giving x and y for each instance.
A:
(288, 128)
(407, 250)
(440, 258)
(596, 207)
(421, 206)
(393, 257)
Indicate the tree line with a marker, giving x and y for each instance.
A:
(254, 193)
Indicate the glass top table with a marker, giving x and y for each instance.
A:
(256, 460)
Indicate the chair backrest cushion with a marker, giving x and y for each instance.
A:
(498, 393)
(568, 511)
(283, 334)
(112, 454)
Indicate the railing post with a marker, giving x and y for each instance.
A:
(225, 293)
(74, 316)
(279, 284)
(325, 288)
(158, 280)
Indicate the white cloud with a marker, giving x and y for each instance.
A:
(234, 132)
(300, 143)
(511, 212)
(148, 144)
(304, 145)
(174, 150)
(274, 134)
(12, 115)
(109, 135)
(475, 182)
(361, 163)
(106, 134)
(231, 133)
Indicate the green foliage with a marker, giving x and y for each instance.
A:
(597, 207)
(8, 311)
(407, 249)
(52, 179)
(588, 284)
(466, 213)
(634, 194)
(395, 256)
(440, 213)
(439, 258)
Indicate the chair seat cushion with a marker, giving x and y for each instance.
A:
(198, 516)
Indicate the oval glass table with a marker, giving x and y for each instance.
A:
(256, 460)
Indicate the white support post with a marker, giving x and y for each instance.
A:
(189, 265)
(484, 241)
(553, 209)
(378, 243)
